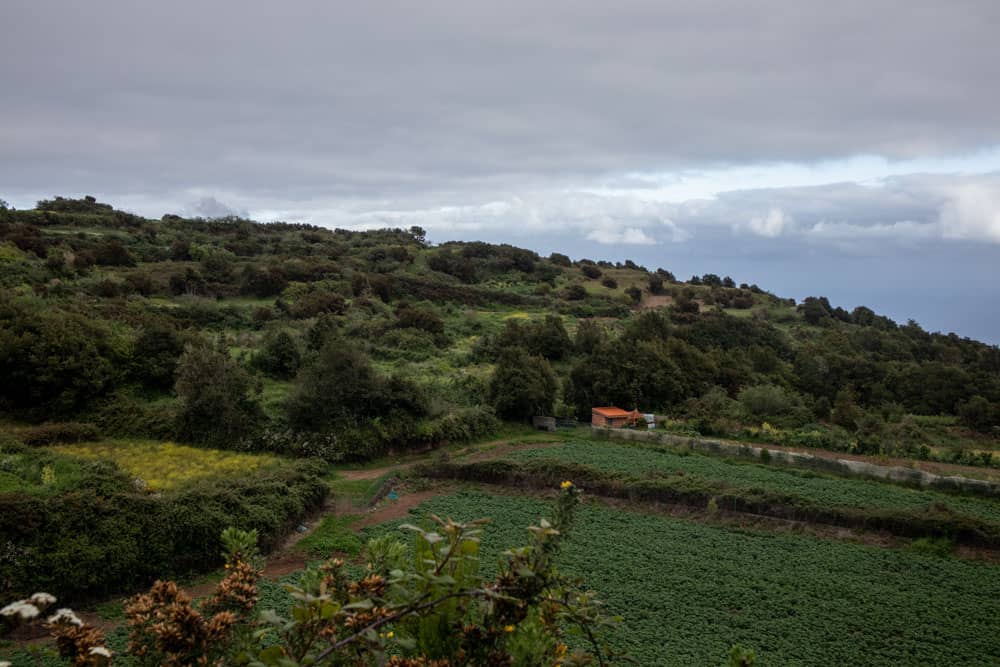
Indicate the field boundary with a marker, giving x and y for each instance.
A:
(960, 528)
(837, 466)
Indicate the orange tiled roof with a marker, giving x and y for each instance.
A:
(611, 412)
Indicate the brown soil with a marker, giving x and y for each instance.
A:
(654, 301)
(397, 509)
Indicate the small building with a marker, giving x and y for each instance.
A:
(614, 417)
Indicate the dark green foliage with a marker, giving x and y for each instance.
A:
(341, 389)
(105, 538)
(218, 404)
(522, 386)
(155, 354)
(53, 362)
(634, 294)
(610, 283)
(113, 253)
(317, 302)
(655, 283)
(977, 413)
(263, 282)
(59, 433)
(279, 357)
(590, 271)
(420, 318)
(575, 292)
(560, 259)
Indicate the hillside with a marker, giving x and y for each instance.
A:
(99, 305)
(165, 380)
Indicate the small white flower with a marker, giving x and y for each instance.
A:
(100, 650)
(22, 608)
(65, 616)
(43, 599)
(4, 663)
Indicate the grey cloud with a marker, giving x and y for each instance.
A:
(210, 207)
(297, 101)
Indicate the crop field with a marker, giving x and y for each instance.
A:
(688, 591)
(166, 465)
(834, 491)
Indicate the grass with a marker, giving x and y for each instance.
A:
(165, 465)
(688, 591)
(833, 491)
(38, 472)
(333, 535)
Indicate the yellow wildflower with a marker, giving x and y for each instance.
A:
(509, 628)
(565, 485)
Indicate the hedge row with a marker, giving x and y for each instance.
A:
(695, 492)
(105, 538)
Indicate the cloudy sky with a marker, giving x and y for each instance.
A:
(850, 149)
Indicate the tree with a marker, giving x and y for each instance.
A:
(575, 292)
(218, 404)
(634, 294)
(845, 410)
(655, 284)
(560, 259)
(522, 386)
(978, 414)
(52, 362)
(279, 357)
(156, 352)
(590, 271)
(341, 389)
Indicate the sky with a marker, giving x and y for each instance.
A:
(848, 149)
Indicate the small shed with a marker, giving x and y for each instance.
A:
(614, 417)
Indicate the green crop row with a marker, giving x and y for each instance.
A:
(693, 491)
(688, 591)
(742, 475)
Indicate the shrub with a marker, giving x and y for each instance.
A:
(60, 433)
(610, 283)
(130, 538)
(217, 405)
(522, 386)
(575, 292)
(280, 356)
(590, 271)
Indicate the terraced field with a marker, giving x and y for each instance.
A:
(688, 591)
(834, 491)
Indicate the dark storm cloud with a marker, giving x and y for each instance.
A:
(304, 99)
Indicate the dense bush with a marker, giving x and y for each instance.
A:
(54, 362)
(105, 538)
(218, 404)
(522, 386)
(59, 433)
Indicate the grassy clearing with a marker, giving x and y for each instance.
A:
(166, 465)
(687, 591)
(832, 491)
(333, 535)
(38, 472)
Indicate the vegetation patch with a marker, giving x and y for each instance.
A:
(688, 591)
(333, 535)
(162, 466)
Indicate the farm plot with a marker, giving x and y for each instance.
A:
(166, 465)
(832, 491)
(688, 591)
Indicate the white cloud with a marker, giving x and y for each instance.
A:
(628, 236)
(770, 225)
(972, 212)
